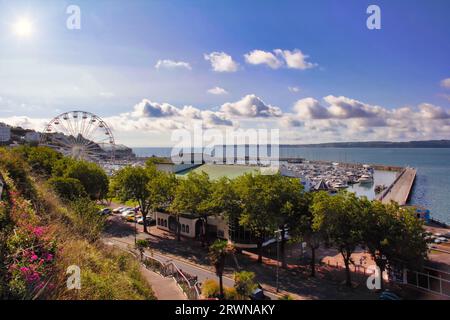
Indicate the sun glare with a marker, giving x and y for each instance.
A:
(23, 27)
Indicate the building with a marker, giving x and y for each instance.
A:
(32, 136)
(5, 133)
(217, 226)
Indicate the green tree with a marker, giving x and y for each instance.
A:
(161, 188)
(131, 183)
(302, 229)
(410, 246)
(67, 188)
(393, 236)
(289, 204)
(218, 252)
(244, 283)
(339, 218)
(42, 160)
(192, 196)
(380, 232)
(257, 195)
(92, 177)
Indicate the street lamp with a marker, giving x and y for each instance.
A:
(277, 232)
(135, 229)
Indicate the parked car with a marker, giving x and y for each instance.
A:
(258, 294)
(125, 213)
(117, 210)
(447, 235)
(389, 295)
(105, 211)
(132, 217)
(443, 239)
(148, 221)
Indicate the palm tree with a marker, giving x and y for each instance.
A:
(218, 251)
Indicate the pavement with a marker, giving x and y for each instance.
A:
(191, 258)
(164, 288)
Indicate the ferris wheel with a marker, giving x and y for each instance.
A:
(80, 135)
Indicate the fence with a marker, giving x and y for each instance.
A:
(187, 282)
(431, 280)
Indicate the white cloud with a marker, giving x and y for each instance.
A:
(446, 83)
(26, 122)
(294, 89)
(217, 91)
(345, 119)
(171, 64)
(263, 57)
(429, 111)
(221, 62)
(162, 117)
(295, 59)
(250, 106)
(147, 108)
(310, 108)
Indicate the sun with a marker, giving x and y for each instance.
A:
(23, 27)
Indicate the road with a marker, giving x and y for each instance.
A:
(187, 267)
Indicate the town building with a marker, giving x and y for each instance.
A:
(32, 136)
(218, 226)
(5, 133)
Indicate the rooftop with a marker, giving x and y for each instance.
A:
(217, 171)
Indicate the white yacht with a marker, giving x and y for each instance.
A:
(365, 179)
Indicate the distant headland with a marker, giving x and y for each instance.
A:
(377, 144)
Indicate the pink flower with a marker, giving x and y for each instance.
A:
(34, 257)
(49, 257)
(24, 269)
(38, 231)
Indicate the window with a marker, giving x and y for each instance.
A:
(187, 229)
(165, 223)
(159, 221)
(183, 228)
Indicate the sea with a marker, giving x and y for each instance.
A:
(432, 185)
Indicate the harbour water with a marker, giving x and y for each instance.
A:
(432, 187)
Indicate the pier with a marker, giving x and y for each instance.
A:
(400, 189)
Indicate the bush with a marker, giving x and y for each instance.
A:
(41, 159)
(85, 219)
(92, 177)
(210, 288)
(68, 189)
(244, 283)
(17, 170)
(230, 293)
(106, 274)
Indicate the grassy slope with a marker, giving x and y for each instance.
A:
(105, 273)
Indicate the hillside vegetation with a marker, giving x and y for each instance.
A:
(45, 228)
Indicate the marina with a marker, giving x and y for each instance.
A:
(362, 179)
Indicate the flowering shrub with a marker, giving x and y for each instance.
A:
(31, 250)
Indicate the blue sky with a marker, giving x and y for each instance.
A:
(108, 67)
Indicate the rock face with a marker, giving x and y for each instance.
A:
(123, 152)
